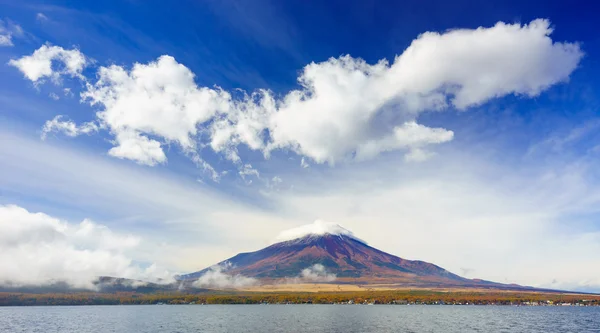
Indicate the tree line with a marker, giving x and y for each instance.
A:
(362, 297)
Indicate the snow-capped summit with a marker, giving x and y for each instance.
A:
(317, 228)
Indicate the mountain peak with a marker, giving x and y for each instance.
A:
(326, 252)
(317, 228)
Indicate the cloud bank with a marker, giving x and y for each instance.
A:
(38, 250)
(345, 109)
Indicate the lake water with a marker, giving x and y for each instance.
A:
(298, 318)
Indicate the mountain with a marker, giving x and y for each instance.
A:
(339, 257)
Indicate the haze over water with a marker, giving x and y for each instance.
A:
(298, 318)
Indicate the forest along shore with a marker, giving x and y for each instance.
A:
(370, 297)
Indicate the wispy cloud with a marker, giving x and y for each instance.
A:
(66, 127)
(217, 277)
(317, 273)
(41, 17)
(8, 31)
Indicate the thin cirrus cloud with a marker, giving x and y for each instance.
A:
(346, 109)
(8, 31)
(5, 39)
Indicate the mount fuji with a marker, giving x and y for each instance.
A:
(325, 252)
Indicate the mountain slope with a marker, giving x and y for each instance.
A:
(342, 257)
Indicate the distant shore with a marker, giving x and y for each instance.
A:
(399, 297)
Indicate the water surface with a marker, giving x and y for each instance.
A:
(298, 318)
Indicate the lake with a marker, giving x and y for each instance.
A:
(298, 318)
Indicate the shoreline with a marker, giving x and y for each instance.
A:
(391, 297)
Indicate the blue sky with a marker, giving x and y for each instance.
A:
(474, 147)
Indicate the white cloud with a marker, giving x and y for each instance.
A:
(246, 171)
(37, 249)
(274, 183)
(40, 17)
(345, 109)
(207, 168)
(409, 135)
(304, 164)
(317, 228)
(474, 66)
(51, 62)
(245, 122)
(317, 273)
(138, 148)
(6, 40)
(8, 30)
(417, 155)
(67, 127)
(348, 106)
(159, 99)
(216, 278)
(54, 96)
